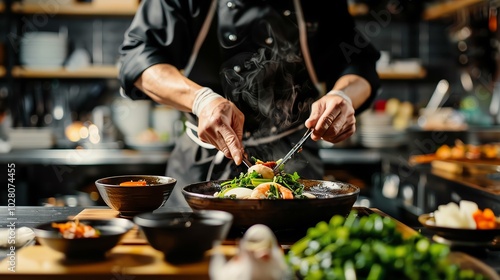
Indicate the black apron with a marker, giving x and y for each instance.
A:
(264, 75)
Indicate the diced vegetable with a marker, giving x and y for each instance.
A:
(133, 183)
(75, 229)
(370, 247)
(465, 215)
(485, 219)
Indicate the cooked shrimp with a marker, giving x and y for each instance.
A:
(265, 171)
(262, 191)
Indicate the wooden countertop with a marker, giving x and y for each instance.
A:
(122, 262)
(132, 259)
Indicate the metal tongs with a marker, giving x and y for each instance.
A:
(294, 149)
(245, 160)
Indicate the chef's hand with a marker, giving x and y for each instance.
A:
(332, 118)
(220, 123)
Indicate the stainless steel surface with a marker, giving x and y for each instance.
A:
(350, 156)
(85, 157)
(294, 149)
(124, 156)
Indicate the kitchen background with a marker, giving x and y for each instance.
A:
(64, 124)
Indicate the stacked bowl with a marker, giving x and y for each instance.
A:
(377, 131)
(42, 50)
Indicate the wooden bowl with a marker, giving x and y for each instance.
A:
(132, 200)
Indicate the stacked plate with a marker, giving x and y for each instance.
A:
(376, 131)
(43, 50)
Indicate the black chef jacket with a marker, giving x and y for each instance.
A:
(252, 53)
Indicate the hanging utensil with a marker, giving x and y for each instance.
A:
(438, 96)
(495, 104)
(294, 149)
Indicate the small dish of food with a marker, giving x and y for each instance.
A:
(82, 239)
(134, 194)
(464, 222)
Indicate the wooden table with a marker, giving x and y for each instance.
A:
(132, 259)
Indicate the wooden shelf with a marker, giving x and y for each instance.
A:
(90, 10)
(2, 71)
(101, 71)
(441, 10)
(358, 9)
(84, 9)
(395, 75)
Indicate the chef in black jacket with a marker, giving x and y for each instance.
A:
(251, 75)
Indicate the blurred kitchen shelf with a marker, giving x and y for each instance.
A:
(83, 9)
(350, 156)
(436, 11)
(84, 156)
(126, 156)
(358, 9)
(395, 75)
(2, 71)
(102, 71)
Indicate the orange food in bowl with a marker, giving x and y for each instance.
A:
(133, 183)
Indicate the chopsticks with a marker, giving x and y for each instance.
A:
(294, 149)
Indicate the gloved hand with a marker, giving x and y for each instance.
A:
(332, 117)
(220, 123)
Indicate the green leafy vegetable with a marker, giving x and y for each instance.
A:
(253, 179)
(370, 247)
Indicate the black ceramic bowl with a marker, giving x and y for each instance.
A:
(332, 198)
(111, 232)
(132, 200)
(184, 237)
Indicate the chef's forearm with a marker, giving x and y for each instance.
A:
(166, 85)
(355, 87)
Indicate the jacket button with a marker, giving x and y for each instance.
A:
(287, 13)
(232, 37)
(269, 41)
(237, 68)
(231, 5)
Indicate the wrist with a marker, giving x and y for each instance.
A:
(204, 96)
(341, 94)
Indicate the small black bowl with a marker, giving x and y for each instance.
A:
(111, 232)
(184, 237)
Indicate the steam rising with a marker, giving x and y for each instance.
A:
(269, 82)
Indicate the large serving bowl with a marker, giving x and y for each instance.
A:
(111, 232)
(184, 237)
(332, 197)
(132, 200)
